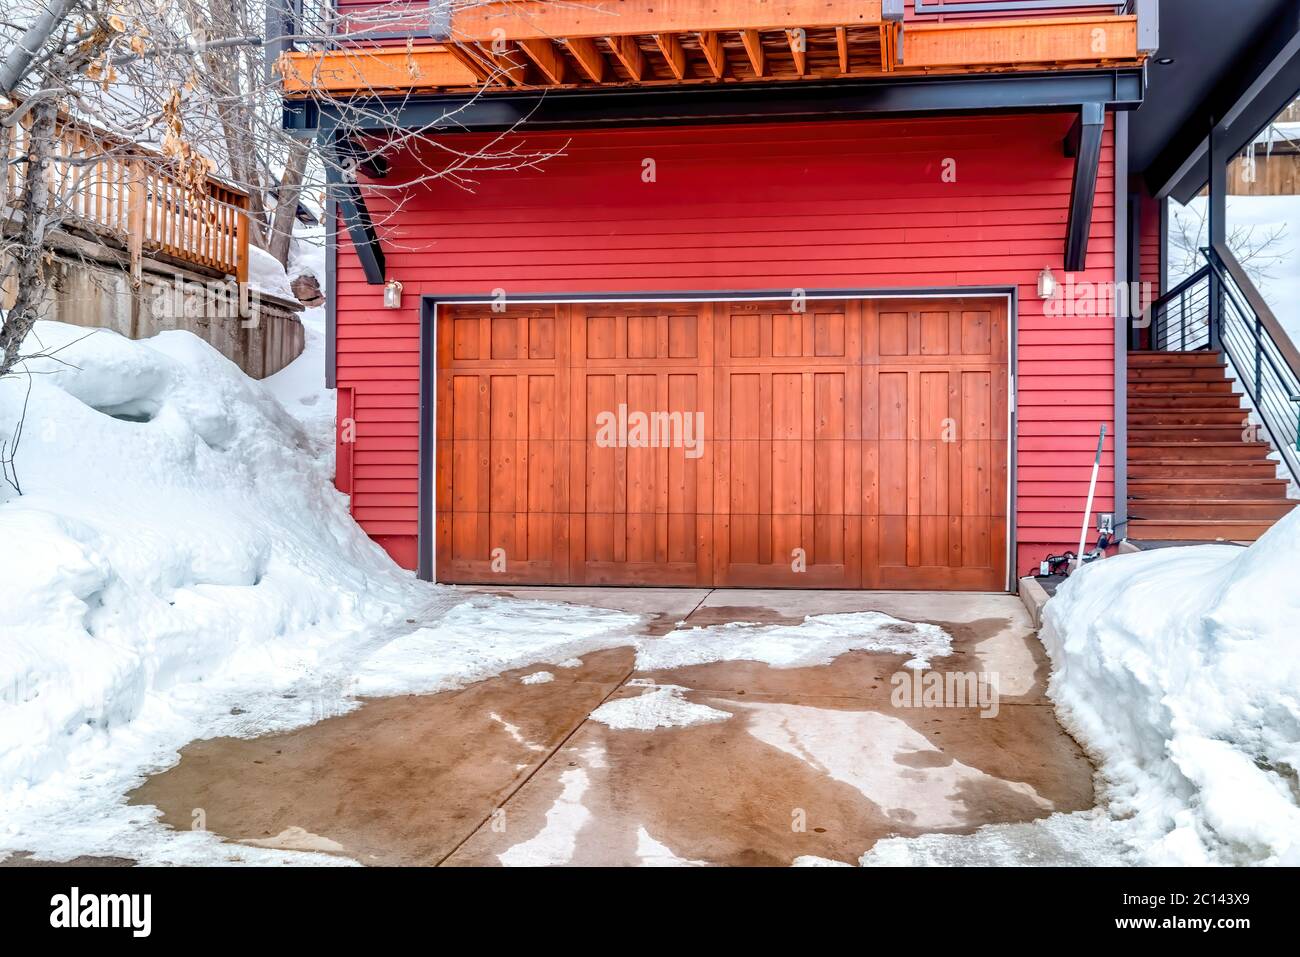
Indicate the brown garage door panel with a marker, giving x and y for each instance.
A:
(642, 508)
(854, 444)
(502, 421)
(788, 433)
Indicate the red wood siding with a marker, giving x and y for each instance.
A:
(843, 205)
(1149, 244)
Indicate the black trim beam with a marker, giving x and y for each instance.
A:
(428, 466)
(1118, 89)
(1084, 144)
(352, 209)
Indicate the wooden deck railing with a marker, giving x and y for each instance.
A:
(127, 195)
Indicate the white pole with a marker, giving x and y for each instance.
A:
(1092, 489)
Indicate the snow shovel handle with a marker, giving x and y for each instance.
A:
(1092, 490)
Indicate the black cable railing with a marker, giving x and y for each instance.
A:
(1180, 319)
(1259, 353)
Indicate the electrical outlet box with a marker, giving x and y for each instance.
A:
(1106, 523)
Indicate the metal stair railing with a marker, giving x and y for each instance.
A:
(1262, 356)
(1180, 319)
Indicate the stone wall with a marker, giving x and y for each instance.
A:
(90, 285)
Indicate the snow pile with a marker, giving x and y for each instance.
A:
(265, 274)
(172, 514)
(817, 640)
(178, 566)
(659, 706)
(300, 386)
(1179, 669)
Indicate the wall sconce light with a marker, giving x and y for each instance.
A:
(392, 294)
(1047, 285)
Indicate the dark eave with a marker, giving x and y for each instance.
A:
(1213, 71)
(1118, 89)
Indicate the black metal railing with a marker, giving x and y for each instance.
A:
(1180, 319)
(1218, 307)
(1261, 355)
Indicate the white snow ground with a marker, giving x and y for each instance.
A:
(180, 566)
(1179, 670)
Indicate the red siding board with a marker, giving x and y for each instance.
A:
(812, 205)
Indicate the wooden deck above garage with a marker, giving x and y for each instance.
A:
(387, 47)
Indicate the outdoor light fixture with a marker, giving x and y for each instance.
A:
(393, 294)
(1165, 60)
(1046, 284)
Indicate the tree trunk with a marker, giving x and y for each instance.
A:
(286, 202)
(29, 250)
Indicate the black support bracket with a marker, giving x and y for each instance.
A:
(340, 178)
(1083, 144)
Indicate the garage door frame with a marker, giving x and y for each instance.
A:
(429, 303)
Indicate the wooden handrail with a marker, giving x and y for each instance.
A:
(127, 194)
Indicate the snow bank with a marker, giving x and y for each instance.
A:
(300, 386)
(178, 566)
(1179, 670)
(172, 514)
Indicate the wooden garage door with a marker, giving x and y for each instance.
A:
(853, 444)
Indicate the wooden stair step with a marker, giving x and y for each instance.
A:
(1163, 400)
(1197, 531)
(1202, 451)
(1174, 373)
(1146, 418)
(1200, 509)
(1199, 357)
(1246, 487)
(1185, 433)
(1160, 387)
(1201, 468)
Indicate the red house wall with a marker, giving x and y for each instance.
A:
(853, 204)
(1149, 244)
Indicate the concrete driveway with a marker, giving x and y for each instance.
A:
(745, 764)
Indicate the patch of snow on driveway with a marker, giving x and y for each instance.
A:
(557, 841)
(1083, 839)
(653, 854)
(660, 706)
(486, 636)
(853, 746)
(817, 640)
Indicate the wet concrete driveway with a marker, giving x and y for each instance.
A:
(795, 762)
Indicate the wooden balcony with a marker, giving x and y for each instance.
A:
(128, 196)
(609, 43)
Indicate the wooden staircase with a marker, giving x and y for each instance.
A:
(1193, 473)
